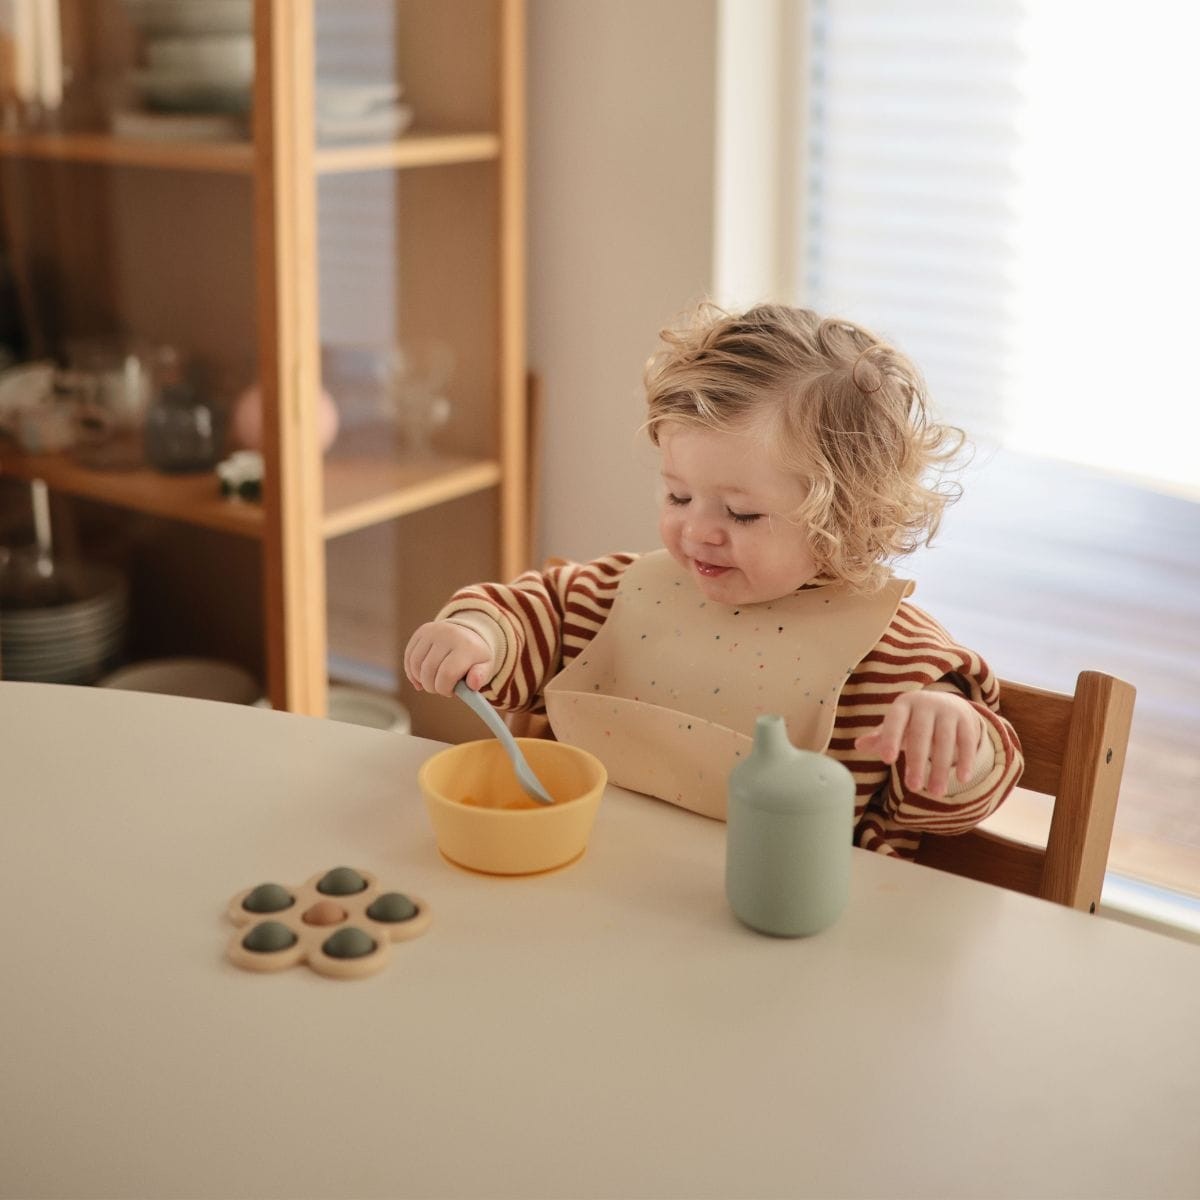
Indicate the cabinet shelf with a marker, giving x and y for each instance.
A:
(251, 253)
(413, 150)
(109, 150)
(360, 489)
(237, 158)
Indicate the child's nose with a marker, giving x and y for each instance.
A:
(702, 528)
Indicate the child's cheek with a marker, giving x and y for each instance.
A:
(668, 527)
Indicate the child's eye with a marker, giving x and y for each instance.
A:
(743, 518)
(674, 499)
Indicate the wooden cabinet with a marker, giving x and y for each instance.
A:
(217, 247)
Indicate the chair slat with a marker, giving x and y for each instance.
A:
(1074, 748)
(1042, 720)
(985, 856)
(1086, 804)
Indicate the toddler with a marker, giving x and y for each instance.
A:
(798, 460)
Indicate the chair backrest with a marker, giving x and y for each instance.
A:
(1074, 748)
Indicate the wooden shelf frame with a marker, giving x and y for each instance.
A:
(190, 499)
(359, 490)
(237, 158)
(309, 498)
(304, 503)
(107, 149)
(412, 150)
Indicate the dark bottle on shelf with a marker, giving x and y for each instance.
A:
(184, 432)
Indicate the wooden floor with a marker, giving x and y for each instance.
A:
(1046, 569)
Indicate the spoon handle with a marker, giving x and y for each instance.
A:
(491, 718)
(495, 722)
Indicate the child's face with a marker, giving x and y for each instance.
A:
(721, 516)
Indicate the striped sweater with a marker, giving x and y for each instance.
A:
(539, 623)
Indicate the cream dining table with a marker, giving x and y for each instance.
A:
(608, 1030)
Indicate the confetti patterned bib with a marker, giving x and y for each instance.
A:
(667, 693)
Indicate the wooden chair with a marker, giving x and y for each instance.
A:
(1074, 748)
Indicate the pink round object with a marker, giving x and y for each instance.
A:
(246, 424)
(325, 912)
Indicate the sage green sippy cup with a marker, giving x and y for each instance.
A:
(790, 829)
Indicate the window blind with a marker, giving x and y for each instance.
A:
(1001, 187)
(912, 188)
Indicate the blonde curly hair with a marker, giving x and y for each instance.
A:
(832, 403)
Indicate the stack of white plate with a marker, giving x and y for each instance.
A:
(199, 57)
(357, 706)
(73, 641)
(352, 111)
(199, 678)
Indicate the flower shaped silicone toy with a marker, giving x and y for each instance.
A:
(339, 922)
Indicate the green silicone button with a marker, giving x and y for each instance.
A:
(268, 898)
(348, 943)
(341, 881)
(392, 906)
(269, 937)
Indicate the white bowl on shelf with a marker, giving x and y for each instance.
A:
(357, 706)
(179, 126)
(22, 387)
(192, 16)
(378, 125)
(199, 678)
(220, 55)
(349, 98)
(191, 91)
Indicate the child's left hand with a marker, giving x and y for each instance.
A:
(935, 731)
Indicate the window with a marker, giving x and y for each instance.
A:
(1005, 190)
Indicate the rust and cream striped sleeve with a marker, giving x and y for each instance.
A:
(916, 652)
(537, 624)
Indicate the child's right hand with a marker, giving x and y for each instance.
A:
(440, 653)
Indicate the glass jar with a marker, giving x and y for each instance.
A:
(184, 432)
(109, 381)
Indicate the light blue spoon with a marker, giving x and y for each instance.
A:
(495, 722)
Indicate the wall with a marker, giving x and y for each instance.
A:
(622, 112)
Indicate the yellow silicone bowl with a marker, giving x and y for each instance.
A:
(483, 820)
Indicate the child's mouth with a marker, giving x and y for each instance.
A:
(708, 570)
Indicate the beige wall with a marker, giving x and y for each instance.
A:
(622, 104)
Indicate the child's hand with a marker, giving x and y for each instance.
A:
(440, 653)
(935, 731)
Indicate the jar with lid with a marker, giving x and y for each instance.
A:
(109, 381)
(184, 432)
